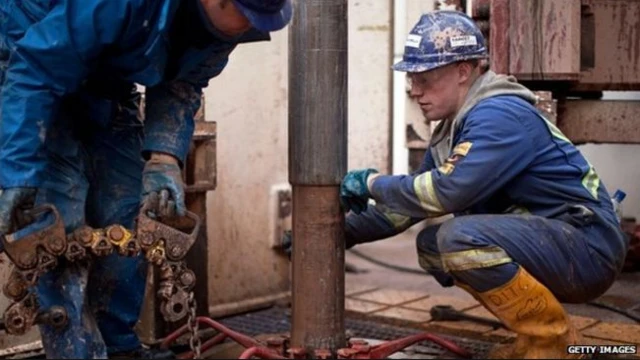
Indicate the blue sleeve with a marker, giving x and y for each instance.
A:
(427, 163)
(494, 146)
(379, 222)
(376, 223)
(51, 59)
(170, 108)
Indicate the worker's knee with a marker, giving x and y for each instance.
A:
(459, 234)
(427, 247)
(427, 240)
(429, 256)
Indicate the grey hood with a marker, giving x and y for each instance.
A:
(487, 85)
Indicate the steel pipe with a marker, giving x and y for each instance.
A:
(318, 92)
(317, 163)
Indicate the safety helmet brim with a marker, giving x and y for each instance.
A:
(267, 21)
(420, 66)
(409, 67)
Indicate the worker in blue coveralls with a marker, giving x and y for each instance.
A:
(534, 225)
(71, 134)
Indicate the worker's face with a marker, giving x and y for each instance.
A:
(440, 92)
(226, 17)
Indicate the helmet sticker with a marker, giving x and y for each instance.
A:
(413, 41)
(466, 40)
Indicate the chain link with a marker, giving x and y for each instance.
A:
(194, 339)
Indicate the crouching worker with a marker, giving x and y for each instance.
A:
(534, 226)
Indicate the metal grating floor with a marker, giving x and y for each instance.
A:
(277, 320)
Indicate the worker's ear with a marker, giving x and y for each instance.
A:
(466, 70)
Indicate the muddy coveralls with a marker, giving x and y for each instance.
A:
(534, 224)
(70, 127)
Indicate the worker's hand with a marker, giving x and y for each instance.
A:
(354, 190)
(13, 202)
(162, 187)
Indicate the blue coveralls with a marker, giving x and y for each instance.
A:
(522, 195)
(70, 126)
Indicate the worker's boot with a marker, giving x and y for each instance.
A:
(529, 309)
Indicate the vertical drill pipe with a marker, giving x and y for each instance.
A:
(318, 269)
(317, 163)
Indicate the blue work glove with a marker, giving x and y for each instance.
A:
(162, 187)
(13, 203)
(354, 192)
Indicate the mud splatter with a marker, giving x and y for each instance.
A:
(441, 38)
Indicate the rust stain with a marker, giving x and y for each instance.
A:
(617, 47)
(635, 36)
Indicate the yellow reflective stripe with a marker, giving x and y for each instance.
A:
(429, 261)
(463, 148)
(591, 182)
(398, 221)
(517, 209)
(474, 259)
(555, 131)
(446, 168)
(423, 186)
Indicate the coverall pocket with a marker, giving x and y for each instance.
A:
(577, 215)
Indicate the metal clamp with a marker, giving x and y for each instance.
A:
(38, 252)
(39, 247)
(176, 243)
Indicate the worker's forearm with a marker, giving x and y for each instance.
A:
(169, 119)
(408, 195)
(376, 223)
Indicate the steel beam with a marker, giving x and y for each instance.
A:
(499, 36)
(317, 163)
(544, 39)
(616, 46)
(600, 121)
(592, 45)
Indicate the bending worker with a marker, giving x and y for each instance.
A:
(71, 136)
(534, 226)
